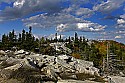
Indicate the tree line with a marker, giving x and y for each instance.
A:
(81, 47)
(24, 40)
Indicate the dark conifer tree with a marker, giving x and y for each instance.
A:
(69, 40)
(30, 30)
(55, 37)
(10, 37)
(80, 39)
(4, 38)
(23, 35)
(76, 36)
(5, 41)
(20, 38)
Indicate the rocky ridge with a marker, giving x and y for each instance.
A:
(44, 67)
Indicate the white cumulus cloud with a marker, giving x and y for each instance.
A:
(121, 21)
(84, 26)
(118, 37)
(47, 21)
(63, 23)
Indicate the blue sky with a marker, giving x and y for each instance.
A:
(94, 19)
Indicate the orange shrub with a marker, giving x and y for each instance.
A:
(76, 55)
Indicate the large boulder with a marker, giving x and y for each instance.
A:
(63, 63)
(63, 57)
(51, 73)
(13, 61)
(116, 79)
(3, 58)
(85, 67)
(14, 67)
(19, 52)
(2, 52)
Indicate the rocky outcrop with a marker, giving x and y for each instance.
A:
(51, 67)
(60, 46)
(63, 63)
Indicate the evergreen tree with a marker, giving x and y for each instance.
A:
(76, 37)
(69, 40)
(60, 38)
(4, 38)
(10, 37)
(14, 36)
(5, 41)
(80, 39)
(29, 40)
(20, 38)
(23, 35)
(22, 46)
(30, 30)
(55, 37)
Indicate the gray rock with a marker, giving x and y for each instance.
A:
(60, 46)
(19, 52)
(51, 73)
(52, 66)
(27, 53)
(20, 56)
(116, 79)
(72, 77)
(14, 61)
(121, 74)
(14, 67)
(3, 58)
(2, 52)
(63, 57)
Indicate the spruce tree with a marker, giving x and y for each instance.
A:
(56, 37)
(23, 35)
(20, 38)
(76, 37)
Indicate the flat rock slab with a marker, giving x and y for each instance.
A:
(117, 79)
